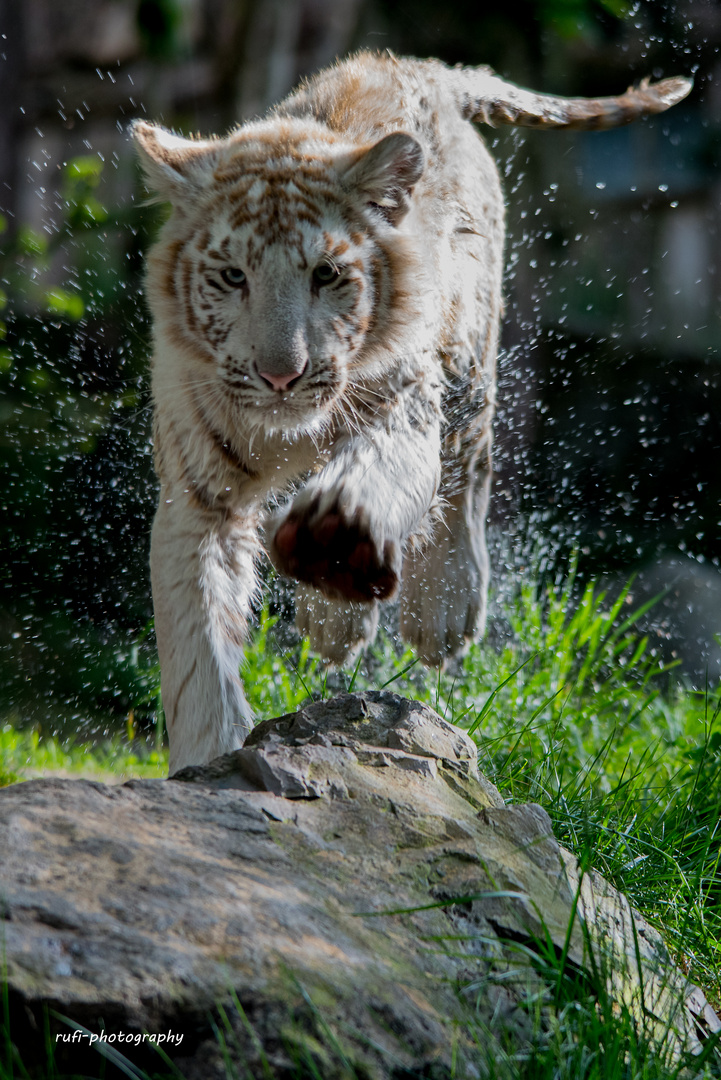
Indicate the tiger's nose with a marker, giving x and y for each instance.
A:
(282, 382)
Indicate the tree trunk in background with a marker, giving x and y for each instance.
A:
(286, 40)
(11, 65)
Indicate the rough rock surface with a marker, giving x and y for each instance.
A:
(346, 888)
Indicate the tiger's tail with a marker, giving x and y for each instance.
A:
(488, 99)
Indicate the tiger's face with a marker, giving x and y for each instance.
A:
(276, 271)
(281, 322)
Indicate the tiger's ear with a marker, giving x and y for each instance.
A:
(174, 166)
(386, 173)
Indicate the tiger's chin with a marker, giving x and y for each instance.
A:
(295, 415)
(290, 421)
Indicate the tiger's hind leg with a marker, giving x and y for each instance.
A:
(337, 629)
(445, 583)
(445, 586)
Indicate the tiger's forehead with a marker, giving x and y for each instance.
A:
(257, 231)
(275, 147)
(280, 201)
(279, 185)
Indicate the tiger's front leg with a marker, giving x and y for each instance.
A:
(345, 531)
(204, 578)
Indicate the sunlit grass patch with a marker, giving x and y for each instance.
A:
(24, 755)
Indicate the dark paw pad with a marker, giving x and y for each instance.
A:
(337, 558)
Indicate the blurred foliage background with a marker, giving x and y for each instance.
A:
(608, 436)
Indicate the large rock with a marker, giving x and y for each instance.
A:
(345, 888)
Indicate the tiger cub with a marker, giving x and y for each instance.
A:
(326, 296)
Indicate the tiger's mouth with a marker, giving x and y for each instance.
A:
(295, 410)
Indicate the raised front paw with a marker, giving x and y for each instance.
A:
(320, 544)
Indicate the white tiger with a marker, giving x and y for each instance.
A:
(326, 298)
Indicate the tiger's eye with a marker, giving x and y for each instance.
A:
(233, 276)
(324, 273)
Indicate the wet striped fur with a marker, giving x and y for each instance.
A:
(326, 296)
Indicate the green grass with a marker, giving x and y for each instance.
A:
(572, 711)
(24, 755)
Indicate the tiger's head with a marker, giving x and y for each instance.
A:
(284, 271)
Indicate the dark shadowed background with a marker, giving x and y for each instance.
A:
(609, 430)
